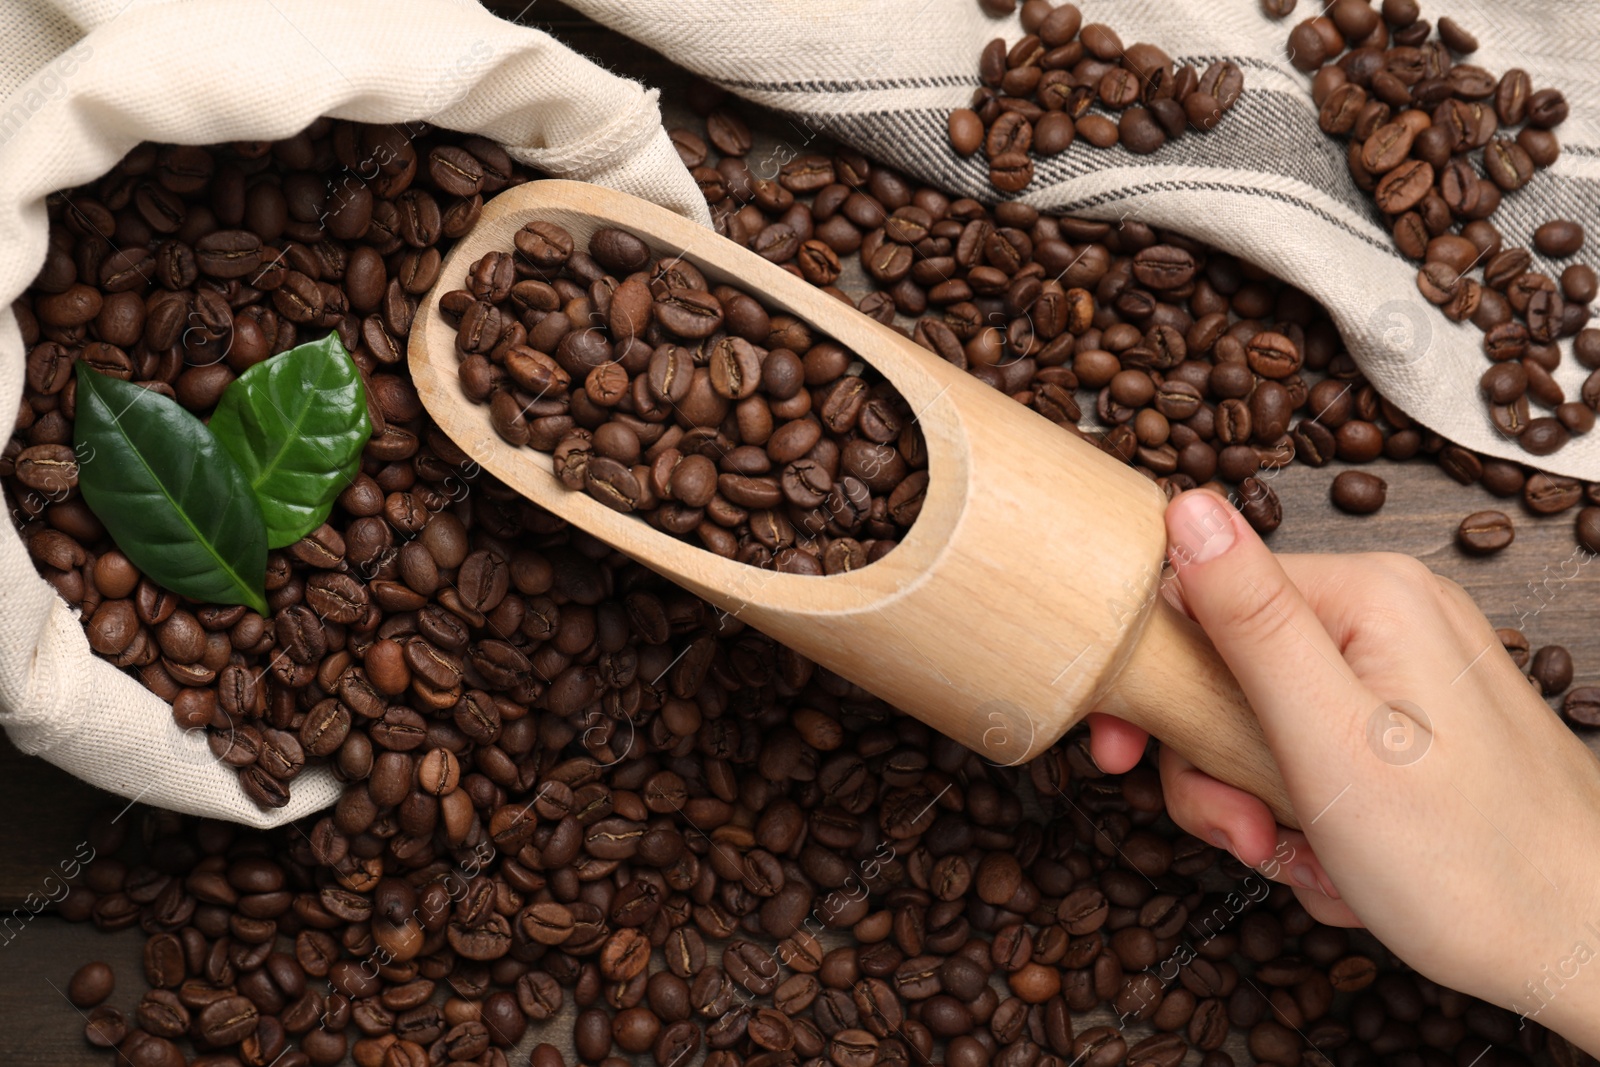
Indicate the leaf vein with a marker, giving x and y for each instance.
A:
(178, 509)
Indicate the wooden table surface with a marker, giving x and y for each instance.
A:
(1541, 583)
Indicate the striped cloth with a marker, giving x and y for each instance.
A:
(1266, 184)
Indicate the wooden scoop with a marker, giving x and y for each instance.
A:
(1024, 596)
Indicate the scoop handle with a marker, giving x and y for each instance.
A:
(1176, 686)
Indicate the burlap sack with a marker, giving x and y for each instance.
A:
(82, 82)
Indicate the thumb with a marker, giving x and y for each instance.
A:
(1291, 671)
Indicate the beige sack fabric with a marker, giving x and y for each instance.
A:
(83, 81)
(1267, 184)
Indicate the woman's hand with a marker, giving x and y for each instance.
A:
(1444, 805)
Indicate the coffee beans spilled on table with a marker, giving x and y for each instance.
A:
(1066, 81)
(888, 898)
(1550, 672)
(1421, 125)
(576, 793)
(692, 406)
(1200, 366)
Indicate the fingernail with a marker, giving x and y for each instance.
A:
(1305, 876)
(1201, 528)
(1222, 841)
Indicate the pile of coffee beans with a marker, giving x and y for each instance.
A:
(1064, 81)
(584, 809)
(887, 898)
(409, 604)
(1422, 125)
(401, 616)
(1197, 366)
(692, 405)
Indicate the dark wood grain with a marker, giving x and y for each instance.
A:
(38, 1024)
(1540, 583)
(43, 814)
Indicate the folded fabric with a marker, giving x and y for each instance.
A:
(1267, 184)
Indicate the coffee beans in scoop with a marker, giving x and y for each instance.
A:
(1066, 81)
(693, 405)
(1437, 142)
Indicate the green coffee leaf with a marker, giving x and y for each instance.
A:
(172, 498)
(296, 424)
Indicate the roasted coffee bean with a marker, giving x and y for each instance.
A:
(1009, 172)
(1352, 973)
(1100, 1046)
(1587, 529)
(1485, 532)
(228, 1021)
(106, 1027)
(1558, 239)
(228, 253)
(1515, 644)
(1582, 706)
(1259, 505)
(49, 469)
(1551, 668)
(1358, 493)
(1503, 383)
(966, 131)
(91, 984)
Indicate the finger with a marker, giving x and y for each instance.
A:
(1295, 864)
(1116, 746)
(1235, 821)
(1171, 588)
(1331, 585)
(1289, 668)
(1340, 588)
(1328, 912)
(1239, 823)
